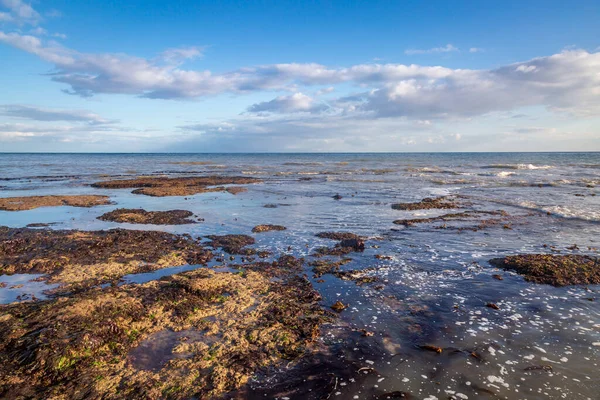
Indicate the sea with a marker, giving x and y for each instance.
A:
(542, 342)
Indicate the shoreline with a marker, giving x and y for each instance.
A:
(390, 318)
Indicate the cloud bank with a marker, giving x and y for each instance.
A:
(567, 81)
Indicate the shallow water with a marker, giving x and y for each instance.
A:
(438, 282)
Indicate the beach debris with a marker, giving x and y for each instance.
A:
(337, 197)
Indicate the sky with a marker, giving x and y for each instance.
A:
(289, 76)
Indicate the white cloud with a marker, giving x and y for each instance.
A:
(5, 17)
(326, 90)
(445, 49)
(566, 82)
(39, 31)
(476, 50)
(179, 55)
(296, 102)
(21, 12)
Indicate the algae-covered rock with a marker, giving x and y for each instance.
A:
(80, 260)
(268, 228)
(553, 269)
(427, 204)
(31, 202)
(139, 216)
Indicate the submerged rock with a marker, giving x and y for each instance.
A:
(140, 216)
(552, 269)
(31, 202)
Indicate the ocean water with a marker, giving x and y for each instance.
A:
(436, 284)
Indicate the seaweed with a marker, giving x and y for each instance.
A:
(31, 202)
(552, 269)
(140, 216)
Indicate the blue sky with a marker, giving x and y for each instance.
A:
(299, 76)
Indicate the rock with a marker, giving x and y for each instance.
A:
(552, 269)
(267, 228)
(355, 244)
(338, 306)
(140, 216)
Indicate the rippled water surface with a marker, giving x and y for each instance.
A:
(436, 280)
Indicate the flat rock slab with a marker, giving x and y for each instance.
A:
(186, 186)
(552, 269)
(427, 204)
(140, 216)
(31, 202)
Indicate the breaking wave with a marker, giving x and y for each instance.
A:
(518, 166)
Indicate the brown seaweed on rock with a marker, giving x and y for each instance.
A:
(268, 228)
(83, 259)
(139, 216)
(186, 186)
(552, 269)
(427, 204)
(337, 235)
(347, 243)
(466, 215)
(31, 202)
(81, 346)
(232, 244)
